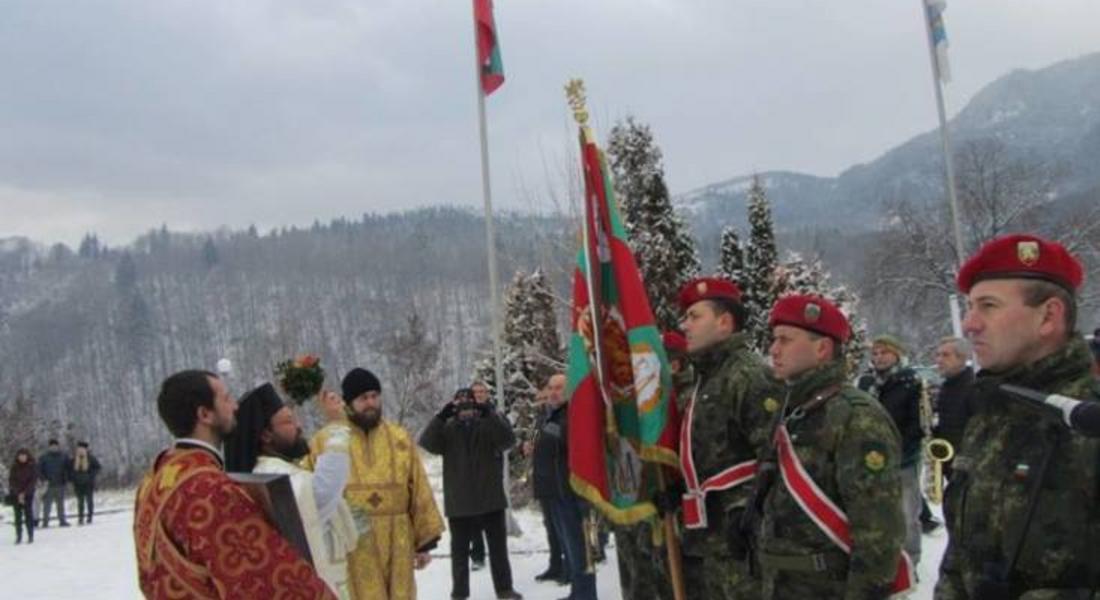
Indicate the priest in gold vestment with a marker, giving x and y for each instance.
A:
(389, 496)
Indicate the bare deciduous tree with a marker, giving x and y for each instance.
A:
(913, 270)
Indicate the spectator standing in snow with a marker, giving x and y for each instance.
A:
(83, 469)
(53, 468)
(472, 438)
(22, 477)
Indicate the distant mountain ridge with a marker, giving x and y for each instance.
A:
(1052, 114)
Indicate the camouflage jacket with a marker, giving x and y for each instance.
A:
(851, 449)
(995, 468)
(725, 430)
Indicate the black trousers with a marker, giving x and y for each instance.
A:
(463, 531)
(24, 518)
(53, 495)
(557, 553)
(85, 503)
(477, 548)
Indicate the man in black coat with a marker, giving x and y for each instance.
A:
(550, 472)
(955, 402)
(472, 438)
(557, 569)
(53, 468)
(898, 389)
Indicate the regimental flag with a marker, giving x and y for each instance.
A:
(934, 10)
(619, 380)
(488, 47)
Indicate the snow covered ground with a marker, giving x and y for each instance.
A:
(97, 561)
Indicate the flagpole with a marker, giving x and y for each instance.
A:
(672, 545)
(490, 230)
(948, 164)
(491, 246)
(575, 93)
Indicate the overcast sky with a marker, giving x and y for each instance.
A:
(119, 115)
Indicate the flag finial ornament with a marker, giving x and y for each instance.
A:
(578, 100)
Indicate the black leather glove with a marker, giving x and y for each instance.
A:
(447, 412)
(668, 501)
(736, 536)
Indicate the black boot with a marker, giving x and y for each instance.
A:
(549, 574)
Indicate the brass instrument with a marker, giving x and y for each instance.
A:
(591, 532)
(937, 451)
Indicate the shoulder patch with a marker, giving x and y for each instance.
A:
(874, 456)
(771, 405)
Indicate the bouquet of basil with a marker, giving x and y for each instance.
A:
(301, 378)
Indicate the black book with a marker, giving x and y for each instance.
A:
(272, 491)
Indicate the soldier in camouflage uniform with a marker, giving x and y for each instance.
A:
(643, 566)
(1024, 501)
(848, 446)
(724, 433)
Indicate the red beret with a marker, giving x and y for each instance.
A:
(812, 313)
(674, 342)
(1022, 256)
(708, 288)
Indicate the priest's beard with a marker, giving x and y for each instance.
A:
(291, 451)
(366, 420)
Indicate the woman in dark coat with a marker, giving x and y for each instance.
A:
(22, 478)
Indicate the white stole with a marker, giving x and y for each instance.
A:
(330, 542)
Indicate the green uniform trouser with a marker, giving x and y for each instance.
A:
(816, 576)
(719, 577)
(643, 574)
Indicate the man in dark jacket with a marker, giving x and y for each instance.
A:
(898, 388)
(53, 468)
(83, 469)
(550, 471)
(472, 438)
(557, 569)
(955, 402)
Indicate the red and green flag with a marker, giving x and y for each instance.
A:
(488, 47)
(621, 417)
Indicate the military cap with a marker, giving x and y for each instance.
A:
(1022, 256)
(812, 313)
(708, 288)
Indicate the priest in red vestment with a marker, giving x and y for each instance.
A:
(197, 533)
